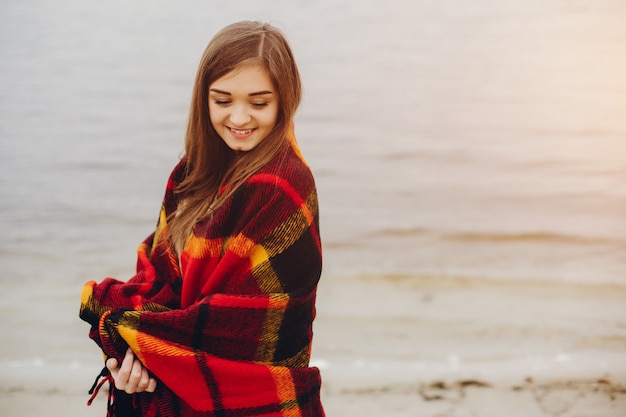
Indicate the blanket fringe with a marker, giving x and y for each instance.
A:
(95, 389)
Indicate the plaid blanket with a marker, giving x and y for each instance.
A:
(226, 328)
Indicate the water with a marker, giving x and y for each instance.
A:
(478, 139)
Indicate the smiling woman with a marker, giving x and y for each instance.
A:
(218, 318)
(243, 107)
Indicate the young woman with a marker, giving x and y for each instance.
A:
(218, 319)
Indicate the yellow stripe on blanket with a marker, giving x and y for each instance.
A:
(286, 391)
(271, 327)
(198, 247)
(161, 225)
(258, 255)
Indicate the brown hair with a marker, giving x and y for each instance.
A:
(211, 164)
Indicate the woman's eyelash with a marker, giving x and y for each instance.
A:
(227, 102)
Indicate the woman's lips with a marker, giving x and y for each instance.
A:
(241, 132)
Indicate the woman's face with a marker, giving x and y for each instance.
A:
(243, 107)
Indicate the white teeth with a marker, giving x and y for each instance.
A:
(241, 132)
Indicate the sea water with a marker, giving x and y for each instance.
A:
(482, 139)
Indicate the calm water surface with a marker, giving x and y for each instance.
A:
(478, 139)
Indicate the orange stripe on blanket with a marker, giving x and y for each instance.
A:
(87, 292)
(129, 331)
(286, 392)
(198, 247)
(241, 245)
(279, 301)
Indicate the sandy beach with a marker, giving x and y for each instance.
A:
(402, 346)
(469, 158)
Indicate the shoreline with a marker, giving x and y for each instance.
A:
(393, 346)
(35, 393)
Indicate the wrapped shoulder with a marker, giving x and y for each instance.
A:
(287, 172)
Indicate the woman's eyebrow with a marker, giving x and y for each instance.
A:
(215, 90)
(260, 93)
(257, 93)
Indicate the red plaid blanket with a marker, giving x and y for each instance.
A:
(227, 330)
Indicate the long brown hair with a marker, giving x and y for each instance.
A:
(211, 165)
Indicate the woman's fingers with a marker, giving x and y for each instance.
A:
(134, 378)
(123, 372)
(144, 380)
(131, 376)
(111, 364)
(151, 385)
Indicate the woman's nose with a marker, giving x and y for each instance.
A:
(239, 116)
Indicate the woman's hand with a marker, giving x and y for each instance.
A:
(131, 377)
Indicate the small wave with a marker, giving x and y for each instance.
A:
(495, 237)
(399, 232)
(529, 237)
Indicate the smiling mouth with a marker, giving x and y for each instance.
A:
(240, 131)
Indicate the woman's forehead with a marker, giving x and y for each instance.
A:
(251, 77)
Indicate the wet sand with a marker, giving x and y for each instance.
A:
(393, 346)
